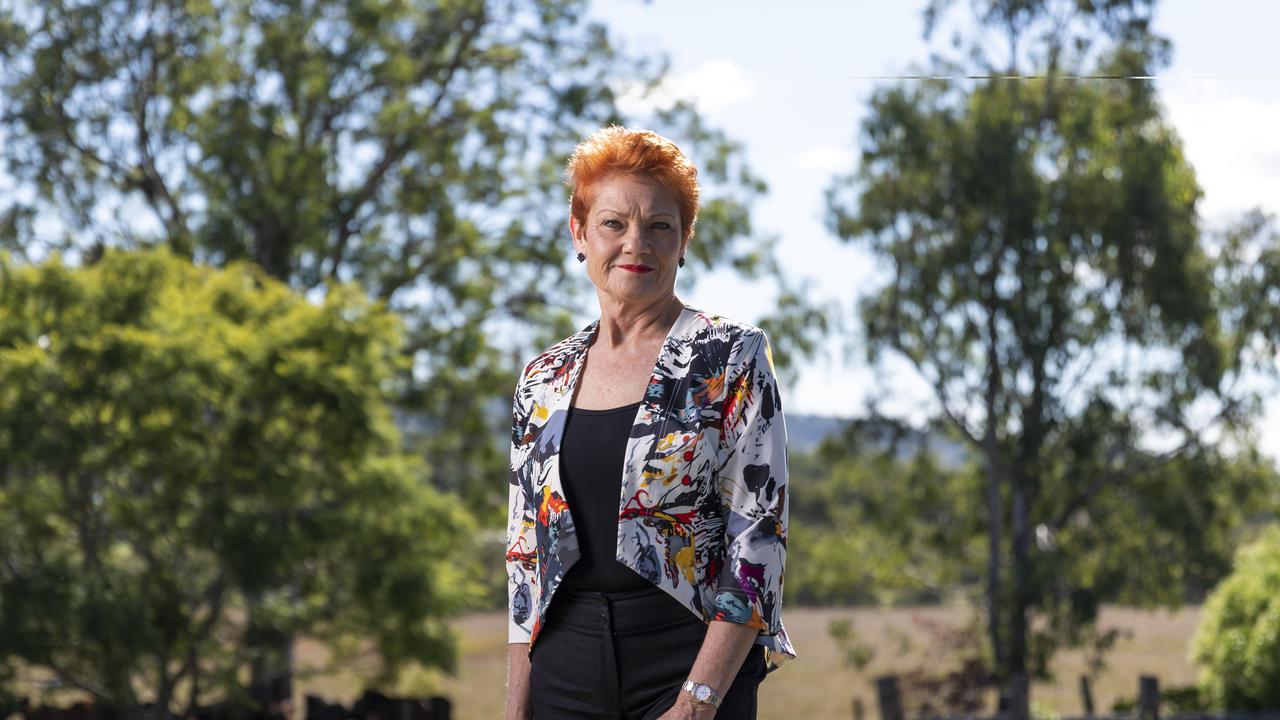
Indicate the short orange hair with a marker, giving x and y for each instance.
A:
(616, 149)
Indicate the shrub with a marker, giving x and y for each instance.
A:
(198, 465)
(1238, 641)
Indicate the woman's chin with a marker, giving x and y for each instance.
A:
(636, 290)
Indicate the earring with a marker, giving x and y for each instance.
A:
(681, 263)
(581, 257)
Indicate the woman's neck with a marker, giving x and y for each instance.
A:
(626, 324)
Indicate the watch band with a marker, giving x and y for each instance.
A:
(702, 693)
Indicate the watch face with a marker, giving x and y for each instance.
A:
(703, 693)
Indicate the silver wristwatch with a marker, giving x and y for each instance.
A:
(701, 693)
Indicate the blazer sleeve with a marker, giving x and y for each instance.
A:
(753, 489)
(521, 541)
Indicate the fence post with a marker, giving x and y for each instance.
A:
(441, 708)
(1019, 698)
(1086, 696)
(1148, 698)
(890, 697)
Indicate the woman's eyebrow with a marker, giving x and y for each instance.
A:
(615, 211)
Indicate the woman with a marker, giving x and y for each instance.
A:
(647, 526)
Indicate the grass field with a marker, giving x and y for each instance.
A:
(816, 685)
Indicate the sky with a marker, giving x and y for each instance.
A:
(786, 80)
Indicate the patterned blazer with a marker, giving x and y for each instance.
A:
(703, 513)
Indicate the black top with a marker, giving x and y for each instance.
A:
(592, 451)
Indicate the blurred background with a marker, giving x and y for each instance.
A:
(269, 269)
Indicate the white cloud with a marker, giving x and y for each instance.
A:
(715, 85)
(1269, 429)
(824, 158)
(1232, 141)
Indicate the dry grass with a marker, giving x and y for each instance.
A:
(816, 685)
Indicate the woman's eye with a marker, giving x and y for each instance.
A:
(612, 224)
(662, 225)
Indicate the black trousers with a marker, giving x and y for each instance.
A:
(624, 656)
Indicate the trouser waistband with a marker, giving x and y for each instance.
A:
(620, 612)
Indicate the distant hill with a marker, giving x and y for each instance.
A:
(804, 433)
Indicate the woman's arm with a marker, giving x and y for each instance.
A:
(521, 566)
(753, 491)
(752, 481)
(518, 707)
(723, 651)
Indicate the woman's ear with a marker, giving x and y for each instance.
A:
(575, 233)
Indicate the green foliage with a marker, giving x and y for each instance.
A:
(1048, 279)
(194, 462)
(1238, 641)
(1249, 277)
(1184, 699)
(1040, 711)
(1124, 705)
(413, 147)
(854, 653)
(875, 524)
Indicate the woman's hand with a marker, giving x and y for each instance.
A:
(686, 709)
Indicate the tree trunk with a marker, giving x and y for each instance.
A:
(1018, 611)
(995, 531)
(271, 671)
(272, 248)
(995, 478)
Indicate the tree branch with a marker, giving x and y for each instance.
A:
(393, 153)
(214, 596)
(1114, 475)
(72, 679)
(939, 384)
(154, 182)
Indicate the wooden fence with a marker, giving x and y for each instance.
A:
(889, 696)
(274, 706)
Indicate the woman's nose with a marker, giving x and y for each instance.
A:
(635, 240)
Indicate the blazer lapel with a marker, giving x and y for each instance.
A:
(651, 421)
(565, 370)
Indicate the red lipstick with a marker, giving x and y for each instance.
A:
(636, 268)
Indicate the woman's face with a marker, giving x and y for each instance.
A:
(632, 239)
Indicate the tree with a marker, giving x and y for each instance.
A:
(909, 505)
(878, 492)
(1048, 279)
(1238, 641)
(195, 464)
(413, 147)
(1249, 274)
